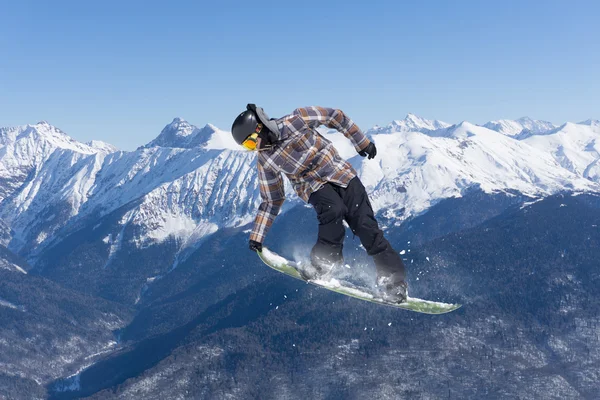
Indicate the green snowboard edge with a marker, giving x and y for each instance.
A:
(280, 264)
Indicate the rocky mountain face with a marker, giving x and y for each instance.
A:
(527, 278)
(47, 331)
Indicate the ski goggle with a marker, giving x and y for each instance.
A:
(251, 141)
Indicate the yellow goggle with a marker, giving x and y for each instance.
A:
(251, 141)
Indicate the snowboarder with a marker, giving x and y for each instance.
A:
(292, 146)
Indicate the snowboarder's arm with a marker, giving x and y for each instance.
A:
(336, 119)
(273, 196)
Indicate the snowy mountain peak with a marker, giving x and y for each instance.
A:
(410, 117)
(43, 128)
(182, 134)
(411, 123)
(466, 125)
(202, 136)
(41, 136)
(211, 126)
(220, 140)
(180, 126)
(521, 127)
(590, 122)
(102, 146)
(461, 130)
(525, 120)
(581, 131)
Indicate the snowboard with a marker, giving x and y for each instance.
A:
(290, 268)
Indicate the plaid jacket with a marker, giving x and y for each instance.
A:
(305, 157)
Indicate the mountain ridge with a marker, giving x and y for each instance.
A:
(414, 169)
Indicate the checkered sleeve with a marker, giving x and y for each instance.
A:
(273, 196)
(336, 119)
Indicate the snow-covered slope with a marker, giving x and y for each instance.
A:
(576, 147)
(11, 267)
(520, 126)
(181, 192)
(590, 122)
(102, 146)
(49, 181)
(415, 170)
(24, 149)
(44, 174)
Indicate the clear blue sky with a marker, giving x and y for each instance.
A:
(119, 71)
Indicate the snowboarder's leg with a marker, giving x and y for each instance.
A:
(361, 219)
(330, 211)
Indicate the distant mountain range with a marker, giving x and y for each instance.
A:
(185, 179)
(143, 243)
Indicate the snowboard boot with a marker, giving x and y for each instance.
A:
(392, 290)
(321, 266)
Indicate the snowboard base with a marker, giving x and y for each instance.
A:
(287, 267)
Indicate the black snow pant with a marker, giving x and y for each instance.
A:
(334, 204)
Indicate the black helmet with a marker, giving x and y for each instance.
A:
(244, 125)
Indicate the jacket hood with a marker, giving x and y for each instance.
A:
(270, 123)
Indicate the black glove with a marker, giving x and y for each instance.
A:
(371, 150)
(255, 246)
